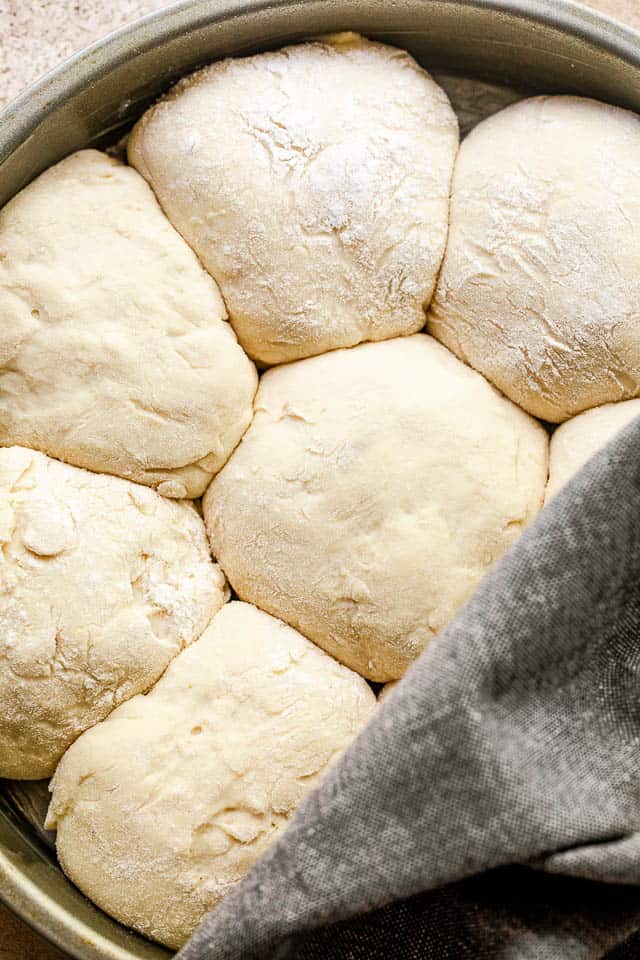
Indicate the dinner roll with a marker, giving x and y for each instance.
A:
(103, 582)
(114, 351)
(168, 803)
(540, 285)
(374, 489)
(577, 440)
(313, 183)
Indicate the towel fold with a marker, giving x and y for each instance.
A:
(491, 809)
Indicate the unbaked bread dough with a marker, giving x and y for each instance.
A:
(168, 803)
(577, 440)
(114, 351)
(102, 583)
(540, 284)
(313, 183)
(373, 490)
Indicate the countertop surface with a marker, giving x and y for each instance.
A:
(35, 35)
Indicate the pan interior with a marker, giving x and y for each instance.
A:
(485, 53)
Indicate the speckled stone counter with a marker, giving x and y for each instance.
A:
(35, 35)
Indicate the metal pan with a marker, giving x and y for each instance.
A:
(541, 45)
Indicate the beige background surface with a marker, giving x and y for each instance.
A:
(35, 35)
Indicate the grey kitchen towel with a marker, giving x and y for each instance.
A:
(491, 809)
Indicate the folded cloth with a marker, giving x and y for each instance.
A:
(491, 808)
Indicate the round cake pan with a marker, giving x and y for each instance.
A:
(542, 45)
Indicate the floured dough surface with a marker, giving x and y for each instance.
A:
(577, 440)
(114, 351)
(374, 489)
(540, 284)
(102, 582)
(162, 808)
(313, 183)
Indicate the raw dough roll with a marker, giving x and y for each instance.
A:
(540, 284)
(168, 803)
(374, 489)
(577, 440)
(313, 183)
(102, 583)
(114, 351)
